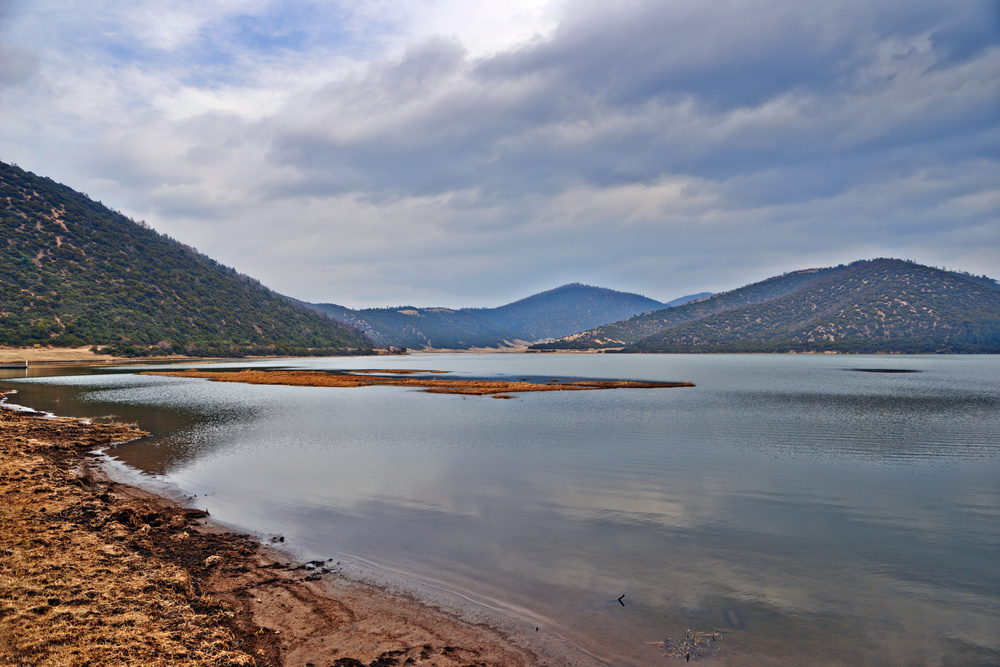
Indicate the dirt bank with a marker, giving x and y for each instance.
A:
(94, 572)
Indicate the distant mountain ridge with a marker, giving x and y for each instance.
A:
(566, 309)
(420, 328)
(687, 299)
(550, 314)
(73, 272)
(882, 305)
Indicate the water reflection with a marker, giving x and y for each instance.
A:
(812, 514)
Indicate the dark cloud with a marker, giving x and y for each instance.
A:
(725, 54)
(654, 146)
(630, 92)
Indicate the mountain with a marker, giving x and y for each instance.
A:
(626, 332)
(687, 299)
(549, 314)
(73, 272)
(565, 310)
(419, 328)
(882, 305)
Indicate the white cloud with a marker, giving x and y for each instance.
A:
(638, 206)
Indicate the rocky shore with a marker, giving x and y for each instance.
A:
(94, 572)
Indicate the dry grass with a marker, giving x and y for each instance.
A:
(51, 354)
(433, 385)
(79, 582)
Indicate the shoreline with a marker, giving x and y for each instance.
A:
(93, 569)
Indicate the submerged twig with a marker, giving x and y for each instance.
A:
(692, 645)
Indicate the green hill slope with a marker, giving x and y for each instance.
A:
(636, 328)
(73, 272)
(882, 305)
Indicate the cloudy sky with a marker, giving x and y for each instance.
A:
(456, 153)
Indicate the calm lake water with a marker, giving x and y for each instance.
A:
(812, 512)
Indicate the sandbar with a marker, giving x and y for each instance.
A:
(367, 378)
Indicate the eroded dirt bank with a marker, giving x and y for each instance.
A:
(94, 572)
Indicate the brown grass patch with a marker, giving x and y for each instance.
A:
(51, 354)
(79, 584)
(432, 385)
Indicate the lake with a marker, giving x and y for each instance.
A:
(804, 507)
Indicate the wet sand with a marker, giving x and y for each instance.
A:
(97, 572)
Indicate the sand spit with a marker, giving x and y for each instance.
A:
(434, 385)
(93, 572)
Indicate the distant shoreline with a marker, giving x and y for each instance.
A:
(45, 356)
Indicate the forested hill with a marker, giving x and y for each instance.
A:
(882, 305)
(73, 272)
(631, 330)
(549, 314)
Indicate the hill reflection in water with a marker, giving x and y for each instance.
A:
(805, 511)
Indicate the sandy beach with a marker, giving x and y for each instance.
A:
(97, 572)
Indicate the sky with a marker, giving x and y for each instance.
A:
(454, 153)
